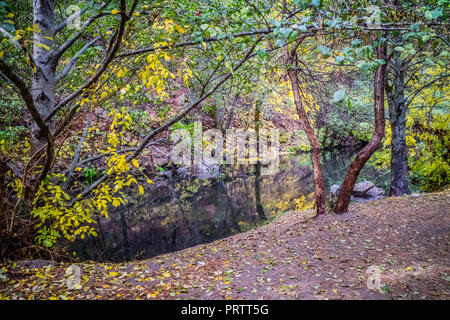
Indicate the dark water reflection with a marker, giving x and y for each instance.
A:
(179, 213)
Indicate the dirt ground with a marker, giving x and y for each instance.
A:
(395, 248)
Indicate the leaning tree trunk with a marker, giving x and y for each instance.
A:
(314, 142)
(364, 155)
(397, 119)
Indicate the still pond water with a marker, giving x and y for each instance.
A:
(177, 213)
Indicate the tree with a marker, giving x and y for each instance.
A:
(408, 54)
(58, 207)
(361, 158)
(315, 146)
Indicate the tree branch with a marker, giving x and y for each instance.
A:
(63, 24)
(66, 45)
(74, 60)
(124, 18)
(28, 99)
(190, 43)
(76, 156)
(424, 87)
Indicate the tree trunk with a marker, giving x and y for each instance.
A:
(397, 119)
(259, 207)
(43, 77)
(3, 170)
(315, 146)
(364, 155)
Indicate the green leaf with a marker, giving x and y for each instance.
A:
(315, 3)
(293, 35)
(261, 53)
(435, 14)
(356, 43)
(339, 59)
(415, 27)
(338, 96)
(429, 61)
(325, 51)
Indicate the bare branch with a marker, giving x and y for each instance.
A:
(66, 45)
(424, 87)
(10, 37)
(76, 156)
(99, 156)
(63, 24)
(124, 18)
(74, 60)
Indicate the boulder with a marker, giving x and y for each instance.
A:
(167, 174)
(360, 189)
(182, 171)
(365, 190)
(207, 171)
(376, 193)
(334, 190)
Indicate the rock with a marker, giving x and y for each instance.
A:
(375, 193)
(182, 171)
(167, 174)
(32, 264)
(365, 190)
(334, 190)
(207, 169)
(360, 189)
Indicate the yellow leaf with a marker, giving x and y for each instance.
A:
(135, 163)
(2, 53)
(179, 28)
(41, 45)
(409, 269)
(113, 274)
(335, 291)
(141, 190)
(116, 203)
(166, 274)
(115, 11)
